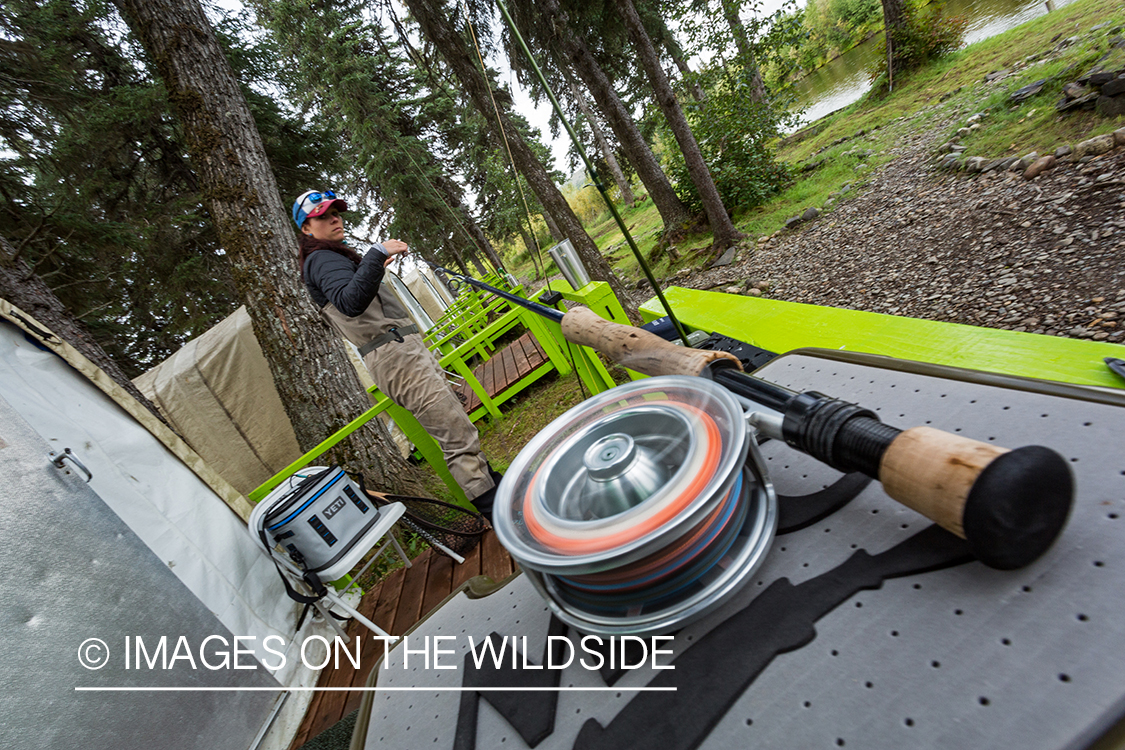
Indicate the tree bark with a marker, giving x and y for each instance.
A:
(722, 228)
(676, 52)
(21, 286)
(452, 197)
(603, 145)
(575, 52)
(316, 382)
(553, 227)
(894, 21)
(745, 51)
(433, 17)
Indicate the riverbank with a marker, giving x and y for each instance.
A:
(1044, 255)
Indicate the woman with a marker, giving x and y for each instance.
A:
(345, 288)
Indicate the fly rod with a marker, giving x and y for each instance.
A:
(1010, 505)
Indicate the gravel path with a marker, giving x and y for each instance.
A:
(1045, 255)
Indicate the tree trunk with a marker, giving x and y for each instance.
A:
(676, 52)
(433, 16)
(527, 241)
(722, 227)
(553, 226)
(23, 288)
(315, 380)
(603, 145)
(894, 21)
(575, 52)
(745, 51)
(452, 196)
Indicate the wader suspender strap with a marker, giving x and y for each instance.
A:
(395, 334)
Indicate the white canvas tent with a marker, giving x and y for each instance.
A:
(218, 393)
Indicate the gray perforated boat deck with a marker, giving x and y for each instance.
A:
(961, 657)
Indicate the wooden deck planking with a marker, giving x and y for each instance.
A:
(438, 582)
(404, 597)
(468, 569)
(410, 600)
(505, 369)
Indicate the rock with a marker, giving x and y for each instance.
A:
(792, 222)
(975, 163)
(810, 213)
(726, 258)
(860, 167)
(1062, 151)
(1116, 87)
(1119, 136)
(1041, 165)
(962, 131)
(733, 290)
(945, 148)
(1074, 90)
(1083, 102)
(752, 292)
(1110, 106)
(1027, 160)
(1101, 78)
(995, 75)
(952, 161)
(1095, 146)
(958, 148)
(1025, 93)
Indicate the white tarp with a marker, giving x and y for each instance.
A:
(178, 516)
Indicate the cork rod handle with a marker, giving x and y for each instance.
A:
(637, 349)
(1010, 505)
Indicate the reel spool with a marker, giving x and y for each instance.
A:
(637, 511)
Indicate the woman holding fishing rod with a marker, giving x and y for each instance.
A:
(345, 286)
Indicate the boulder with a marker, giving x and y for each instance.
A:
(1111, 106)
(1101, 78)
(1116, 87)
(1094, 146)
(1041, 165)
(810, 213)
(975, 163)
(1088, 101)
(1119, 136)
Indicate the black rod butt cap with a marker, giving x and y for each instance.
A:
(1018, 506)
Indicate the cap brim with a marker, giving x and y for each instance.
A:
(325, 205)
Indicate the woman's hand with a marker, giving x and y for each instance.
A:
(395, 247)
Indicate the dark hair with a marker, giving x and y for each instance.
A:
(309, 245)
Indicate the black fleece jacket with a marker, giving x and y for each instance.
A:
(330, 277)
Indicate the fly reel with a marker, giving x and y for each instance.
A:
(637, 511)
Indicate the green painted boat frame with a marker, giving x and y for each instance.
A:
(784, 326)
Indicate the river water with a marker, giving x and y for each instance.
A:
(844, 80)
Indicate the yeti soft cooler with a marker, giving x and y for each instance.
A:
(321, 518)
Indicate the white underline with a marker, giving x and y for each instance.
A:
(372, 689)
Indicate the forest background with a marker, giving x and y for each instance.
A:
(149, 152)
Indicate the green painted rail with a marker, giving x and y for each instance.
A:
(785, 326)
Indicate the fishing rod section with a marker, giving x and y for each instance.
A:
(511, 24)
(1010, 505)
